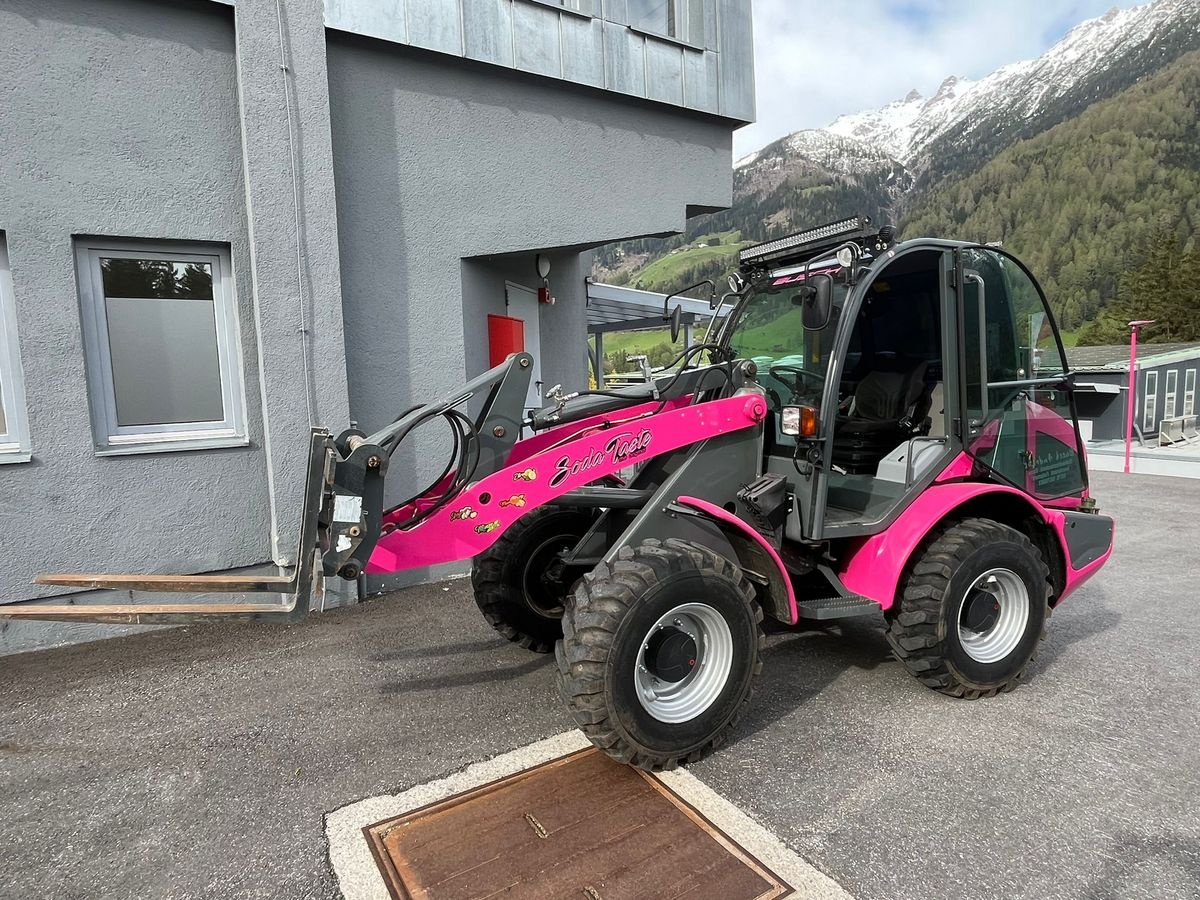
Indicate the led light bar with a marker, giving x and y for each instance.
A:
(814, 239)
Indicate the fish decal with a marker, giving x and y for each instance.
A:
(465, 513)
(516, 500)
(525, 475)
(487, 527)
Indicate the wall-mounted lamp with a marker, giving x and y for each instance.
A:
(542, 264)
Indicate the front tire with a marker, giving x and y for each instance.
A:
(519, 582)
(659, 653)
(972, 610)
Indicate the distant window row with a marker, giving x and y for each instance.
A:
(1170, 410)
(160, 336)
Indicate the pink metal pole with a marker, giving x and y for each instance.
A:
(1133, 336)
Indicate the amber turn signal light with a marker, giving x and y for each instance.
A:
(799, 421)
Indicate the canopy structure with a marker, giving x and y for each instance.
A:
(613, 308)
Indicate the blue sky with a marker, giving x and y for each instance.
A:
(818, 59)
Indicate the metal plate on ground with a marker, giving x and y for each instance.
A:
(579, 826)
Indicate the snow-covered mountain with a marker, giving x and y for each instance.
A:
(1136, 40)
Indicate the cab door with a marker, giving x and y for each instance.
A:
(886, 411)
(1018, 412)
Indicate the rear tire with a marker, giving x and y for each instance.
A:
(972, 610)
(515, 586)
(659, 653)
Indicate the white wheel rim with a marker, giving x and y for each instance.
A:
(993, 615)
(681, 701)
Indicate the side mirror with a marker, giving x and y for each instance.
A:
(673, 315)
(816, 299)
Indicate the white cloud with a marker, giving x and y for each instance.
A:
(816, 60)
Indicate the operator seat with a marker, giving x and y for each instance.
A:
(890, 405)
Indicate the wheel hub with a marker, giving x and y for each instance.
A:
(670, 654)
(981, 611)
(683, 663)
(993, 615)
(545, 577)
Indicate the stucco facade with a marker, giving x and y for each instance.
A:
(377, 193)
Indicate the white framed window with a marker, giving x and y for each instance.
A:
(1169, 396)
(1189, 392)
(672, 18)
(1150, 410)
(14, 423)
(161, 337)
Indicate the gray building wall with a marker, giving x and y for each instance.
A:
(1180, 367)
(89, 149)
(375, 198)
(438, 161)
(139, 119)
(1106, 412)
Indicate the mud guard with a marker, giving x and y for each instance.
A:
(755, 554)
(874, 566)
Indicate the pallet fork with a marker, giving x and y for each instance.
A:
(294, 590)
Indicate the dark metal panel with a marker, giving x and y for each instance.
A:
(664, 71)
(536, 40)
(701, 85)
(624, 60)
(711, 39)
(379, 20)
(1088, 537)
(435, 25)
(583, 50)
(601, 51)
(737, 59)
(488, 31)
(616, 11)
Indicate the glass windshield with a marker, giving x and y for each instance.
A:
(792, 360)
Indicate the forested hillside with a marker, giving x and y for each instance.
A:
(1085, 202)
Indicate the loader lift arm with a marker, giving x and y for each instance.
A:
(341, 519)
(346, 528)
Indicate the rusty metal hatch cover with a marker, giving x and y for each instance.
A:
(580, 826)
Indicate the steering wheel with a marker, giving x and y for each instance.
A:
(799, 377)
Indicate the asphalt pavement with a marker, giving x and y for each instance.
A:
(201, 762)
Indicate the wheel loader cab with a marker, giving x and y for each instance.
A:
(936, 348)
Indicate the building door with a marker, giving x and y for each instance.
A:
(522, 304)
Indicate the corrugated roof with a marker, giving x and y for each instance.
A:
(1115, 357)
(609, 304)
